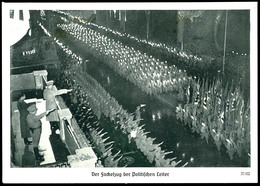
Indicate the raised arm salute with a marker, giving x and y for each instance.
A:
(35, 125)
(49, 95)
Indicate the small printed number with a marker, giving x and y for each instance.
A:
(245, 173)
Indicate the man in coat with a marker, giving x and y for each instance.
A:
(22, 107)
(35, 125)
(49, 95)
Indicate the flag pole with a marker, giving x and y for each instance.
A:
(225, 43)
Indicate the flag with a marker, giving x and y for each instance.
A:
(188, 93)
(225, 93)
(206, 86)
(202, 92)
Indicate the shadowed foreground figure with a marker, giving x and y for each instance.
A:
(22, 107)
(35, 125)
(28, 157)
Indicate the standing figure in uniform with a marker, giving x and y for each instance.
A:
(49, 95)
(25, 131)
(138, 112)
(35, 125)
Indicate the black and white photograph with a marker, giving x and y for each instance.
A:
(130, 92)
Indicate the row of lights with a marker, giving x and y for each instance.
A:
(102, 44)
(242, 54)
(64, 48)
(45, 30)
(174, 50)
(68, 51)
(159, 45)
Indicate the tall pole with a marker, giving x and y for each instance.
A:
(180, 28)
(225, 43)
(114, 13)
(148, 23)
(124, 20)
(107, 17)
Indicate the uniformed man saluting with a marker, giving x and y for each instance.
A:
(35, 125)
(49, 95)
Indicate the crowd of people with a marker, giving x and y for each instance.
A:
(88, 123)
(184, 57)
(209, 109)
(151, 75)
(100, 102)
(103, 103)
(217, 112)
